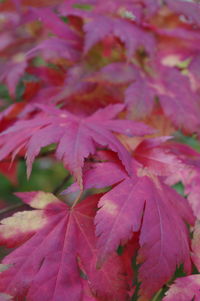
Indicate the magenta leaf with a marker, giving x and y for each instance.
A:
(48, 266)
(132, 36)
(177, 99)
(75, 136)
(140, 98)
(144, 204)
(158, 156)
(184, 289)
(115, 73)
(189, 9)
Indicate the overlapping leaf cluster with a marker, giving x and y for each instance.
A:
(111, 86)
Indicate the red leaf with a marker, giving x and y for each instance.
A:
(75, 136)
(195, 245)
(55, 25)
(187, 288)
(194, 69)
(115, 73)
(47, 267)
(158, 157)
(190, 10)
(144, 203)
(129, 251)
(177, 99)
(184, 289)
(132, 36)
(55, 47)
(140, 98)
(5, 297)
(149, 205)
(188, 174)
(13, 71)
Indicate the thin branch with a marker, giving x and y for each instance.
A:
(19, 205)
(60, 186)
(10, 208)
(77, 199)
(157, 295)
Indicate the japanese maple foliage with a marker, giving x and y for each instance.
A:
(110, 89)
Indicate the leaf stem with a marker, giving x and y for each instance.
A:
(10, 208)
(77, 199)
(157, 295)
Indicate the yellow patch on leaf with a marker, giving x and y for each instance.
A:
(22, 222)
(110, 207)
(42, 199)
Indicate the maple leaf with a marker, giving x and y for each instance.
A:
(52, 22)
(159, 157)
(100, 174)
(177, 99)
(188, 174)
(190, 178)
(139, 97)
(76, 8)
(59, 257)
(60, 242)
(75, 136)
(187, 288)
(174, 161)
(190, 9)
(125, 206)
(130, 10)
(5, 297)
(184, 289)
(55, 47)
(177, 45)
(145, 204)
(115, 73)
(5, 40)
(12, 71)
(195, 245)
(194, 70)
(129, 251)
(130, 34)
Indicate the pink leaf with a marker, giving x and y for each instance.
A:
(158, 157)
(76, 137)
(132, 36)
(177, 99)
(184, 289)
(190, 9)
(142, 203)
(47, 267)
(140, 98)
(12, 73)
(115, 73)
(195, 245)
(194, 69)
(55, 25)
